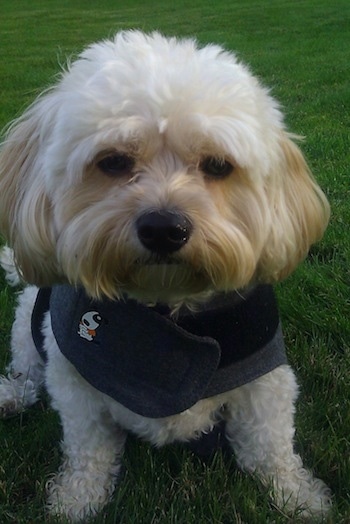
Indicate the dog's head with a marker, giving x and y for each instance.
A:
(158, 169)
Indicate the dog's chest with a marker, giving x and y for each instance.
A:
(157, 367)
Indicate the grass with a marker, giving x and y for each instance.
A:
(300, 49)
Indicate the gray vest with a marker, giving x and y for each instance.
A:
(157, 366)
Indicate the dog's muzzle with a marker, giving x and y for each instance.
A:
(163, 232)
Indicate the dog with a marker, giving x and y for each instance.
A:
(150, 199)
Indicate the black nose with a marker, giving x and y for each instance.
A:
(163, 232)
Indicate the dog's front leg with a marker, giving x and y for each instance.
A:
(92, 445)
(261, 431)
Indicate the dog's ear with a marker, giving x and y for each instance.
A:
(25, 215)
(299, 213)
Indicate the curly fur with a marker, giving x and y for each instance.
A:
(167, 104)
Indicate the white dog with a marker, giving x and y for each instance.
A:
(153, 195)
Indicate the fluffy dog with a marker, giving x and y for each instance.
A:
(153, 195)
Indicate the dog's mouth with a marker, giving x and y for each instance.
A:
(164, 278)
(158, 260)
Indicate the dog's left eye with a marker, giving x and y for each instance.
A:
(116, 164)
(216, 167)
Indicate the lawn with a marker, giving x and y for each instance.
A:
(301, 49)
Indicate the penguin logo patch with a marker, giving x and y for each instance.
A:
(88, 325)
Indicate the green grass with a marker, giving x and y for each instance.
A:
(301, 49)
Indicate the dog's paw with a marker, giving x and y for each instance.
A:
(16, 394)
(303, 495)
(73, 504)
(79, 494)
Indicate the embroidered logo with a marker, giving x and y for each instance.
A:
(88, 324)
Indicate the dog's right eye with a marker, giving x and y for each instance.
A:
(216, 167)
(116, 164)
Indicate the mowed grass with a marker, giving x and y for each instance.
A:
(301, 49)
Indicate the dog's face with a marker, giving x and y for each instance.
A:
(157, 169)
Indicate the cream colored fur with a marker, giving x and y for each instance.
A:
(168, 105)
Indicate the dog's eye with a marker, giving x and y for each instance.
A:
(216, 167)
(116, 164)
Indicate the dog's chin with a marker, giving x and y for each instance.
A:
(165, 281)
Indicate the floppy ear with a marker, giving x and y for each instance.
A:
(25, 215)
(299, 213)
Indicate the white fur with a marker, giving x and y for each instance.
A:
(8, 263)
(167, 104)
